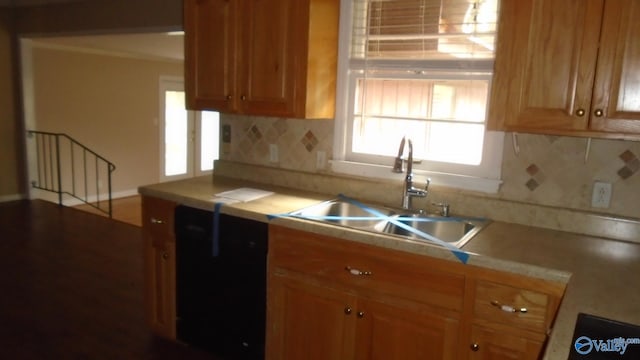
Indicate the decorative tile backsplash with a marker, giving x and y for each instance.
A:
(554, 171)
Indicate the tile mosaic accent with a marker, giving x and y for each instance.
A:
(309, 141)
(254, 134)
(632, 164)
(537, 177)
(549, 170)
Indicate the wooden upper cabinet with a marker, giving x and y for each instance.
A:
(210, 54)
(262, 57)
(568, 67)
(617, 85)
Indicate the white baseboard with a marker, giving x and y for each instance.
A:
(68, 200)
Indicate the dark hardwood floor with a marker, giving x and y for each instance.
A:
(71, 287)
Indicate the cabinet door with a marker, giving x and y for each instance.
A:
(269, 56)
(307, 321)
(488, 344)
(159, 266)
(210, 54)
(617, 87)
(388, 332)
(545, 64)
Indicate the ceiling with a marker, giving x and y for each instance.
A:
(151, 45)
(160, 46)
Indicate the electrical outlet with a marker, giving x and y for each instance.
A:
(601, 197)
(273, 153)
(321, 160)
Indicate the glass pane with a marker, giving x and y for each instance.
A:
(209, 135)
(175, 134)
(443, 118)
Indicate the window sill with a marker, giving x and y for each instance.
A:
(472, 183)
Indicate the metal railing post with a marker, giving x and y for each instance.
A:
(58, 169)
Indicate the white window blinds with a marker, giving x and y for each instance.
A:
(423, 29)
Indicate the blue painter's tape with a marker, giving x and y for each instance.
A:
(461, 255)
(215, 245)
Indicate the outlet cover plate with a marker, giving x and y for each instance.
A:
(601, 196)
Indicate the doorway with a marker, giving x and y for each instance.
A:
(188, 139)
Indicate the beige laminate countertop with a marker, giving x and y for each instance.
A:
(604, 273)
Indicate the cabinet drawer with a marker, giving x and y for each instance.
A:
(366, 267)
(493, 302)
(157, 216)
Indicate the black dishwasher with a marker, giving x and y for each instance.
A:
(221, 288)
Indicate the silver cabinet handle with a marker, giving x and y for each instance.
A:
(598, 113)
(507, 308)
(156, 221)
(580, 112)
(357, 272)
(475, 347)
(347, 310)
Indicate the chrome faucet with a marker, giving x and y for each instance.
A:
(408, 191)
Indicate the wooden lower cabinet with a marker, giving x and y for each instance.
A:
(493, 344)
(340, 303)
(393, 331)
(159, 265)
(329, 298)
(308, 321)
(312, 321)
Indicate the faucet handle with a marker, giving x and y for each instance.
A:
(444, 208)
(426, 186)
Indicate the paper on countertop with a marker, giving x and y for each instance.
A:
(240, 195)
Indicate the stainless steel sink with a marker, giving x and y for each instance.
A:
(344, 213)
(456, 231)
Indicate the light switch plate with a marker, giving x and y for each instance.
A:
(273, 153)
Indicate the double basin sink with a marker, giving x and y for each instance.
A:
(455, 231)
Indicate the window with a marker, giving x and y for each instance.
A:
(421, 69)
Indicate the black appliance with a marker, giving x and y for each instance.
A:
(221, 283)
(597, 338)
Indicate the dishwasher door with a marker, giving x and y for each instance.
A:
(221, 300)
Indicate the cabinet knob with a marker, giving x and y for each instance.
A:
(360, 314)
(165, 255)
(228, 98)
(243, 97)
(347, 310)
(580, 112)
(156, 221)
(475, 347)
(598, 113)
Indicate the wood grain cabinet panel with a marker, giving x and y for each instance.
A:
(329, 298)
(492, 299)
(568, 68)
(320, 305)
(159, 265)
(259, 57)
(491, 344)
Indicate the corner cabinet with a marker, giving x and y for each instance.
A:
(259, 57)
(329, 298)
(568, 67)
(159, 265)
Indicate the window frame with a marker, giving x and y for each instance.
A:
(485, 177)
